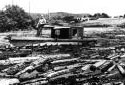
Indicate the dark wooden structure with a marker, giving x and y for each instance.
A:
(61, 32)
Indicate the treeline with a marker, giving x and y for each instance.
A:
(100, 15)
(15, 18)
(76, 18)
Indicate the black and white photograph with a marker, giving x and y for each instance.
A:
(62, 42)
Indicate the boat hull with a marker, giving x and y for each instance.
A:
(16, 41)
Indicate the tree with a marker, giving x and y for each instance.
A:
(124, 16)
(3, 21)
(97, 15)
(101, 15)
(16, 18)
(68, 19)
(104, 15)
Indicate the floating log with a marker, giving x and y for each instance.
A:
(65, 62)
(15, 69)
(40, 81)
(57, 73)
(121, 70)
(61, 72)
(58, 56)
(34, 65)
(67, 66)
(63, 79)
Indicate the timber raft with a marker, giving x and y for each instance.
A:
(35, 40)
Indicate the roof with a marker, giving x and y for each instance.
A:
(67, 27)
(61, 27)
(48, 26)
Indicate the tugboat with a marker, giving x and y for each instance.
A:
(54, 34)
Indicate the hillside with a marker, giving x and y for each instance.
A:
(106, 21)
(60, 14)
(68, 14)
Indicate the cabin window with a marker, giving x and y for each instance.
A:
(57, 32)
(74, 32)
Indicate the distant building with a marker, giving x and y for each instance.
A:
(83, 19)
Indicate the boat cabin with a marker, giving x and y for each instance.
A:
(62, 32)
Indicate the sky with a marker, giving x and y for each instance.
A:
(111, 7)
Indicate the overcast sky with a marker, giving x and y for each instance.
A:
(111, 7)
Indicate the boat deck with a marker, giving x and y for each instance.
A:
(50, 39)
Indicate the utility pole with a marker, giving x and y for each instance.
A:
(29, 7)
(48, 16)
(12, 2)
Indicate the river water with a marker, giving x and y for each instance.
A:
(88, 30)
